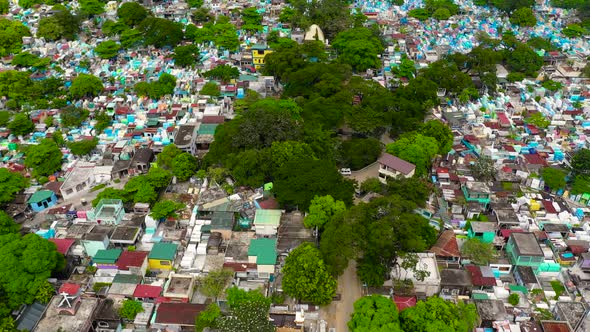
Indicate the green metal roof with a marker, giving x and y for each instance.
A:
(207, 129)
(127, 279)
(480, 296)
(518, 288)
(163, 251)
(264, 250)
(107, 256)
(260, 47)
(40, 196)
(267, 217)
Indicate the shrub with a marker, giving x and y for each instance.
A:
(514, 299)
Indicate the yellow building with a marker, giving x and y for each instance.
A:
(162, 256)
(259, 51)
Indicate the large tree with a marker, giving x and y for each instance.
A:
(300, 180)
(7, 224)
(132, 13)
(323, 209)
(359, 152)
(167, 155)
(10, 184)
(524, 17)
(359, 48)
(27, 262)
(186, 56)
(73, 117)
(305, 276)
(581, 162)
(184, 166)
(62, 24)
(417, 149)
(44, 158)
(248, 313)
(213, 284)
(160, 32)
(166, 209)
(11, 34)
(375, 313)
(21, 124)
(86, 85)
(107, 49)
(554, 178)
(83, 147)
(436, 314)
(478, 252)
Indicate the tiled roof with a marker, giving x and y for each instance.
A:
(477, 277)
(131, 258)
(446, 245)
(404, 302)
(70, 289)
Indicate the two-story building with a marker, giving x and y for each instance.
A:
(391, 167)
(523, 249)
(259, 51)
(162, 256)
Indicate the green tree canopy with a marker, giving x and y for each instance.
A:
(210, 89)
(73, 117)
(305, 276)
(250, 313)
(26, 59)
(483, 169)
(161, 32)
(27, 263)
(44, 158)
(86, 85)
(300, 180)
(21, 124)
(323, 209)
(112, 193)
(223, 73)
(524, 17)
(10, 184)
(374, 313)
(359, 48)
(7, 224)
(165, 209)
(554, 178)
(538, 120)
(132, 13)
(416, 149)
(130, 309)
(441, 132)
(436, 314)
(213, 284)
(357, 153)
(186, 56)
(523, 59)
(184, 166)
(62, 24)
(207, 317)
(107, 49)
(4, 7)
(252, 20)
(11, 35)
(478, 252)
(168, 154)
(83, 147)
(581, 162)
(91, 7)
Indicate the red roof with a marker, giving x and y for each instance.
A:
(213, 119)
(535, 159)
(70, 289)
(506, 232)
(404, 302)
(396, 164)
(269, 204)
(63, 245)
(131, 258)
(503, 119)
(147, 291)
(178, 313)
(548, 205)
(478, 279)
(446, 245)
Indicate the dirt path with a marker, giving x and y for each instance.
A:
(337, 314)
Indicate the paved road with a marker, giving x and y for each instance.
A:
(337, 314)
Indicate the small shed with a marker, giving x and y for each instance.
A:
(162, 256)
(42, 200)
(107, 256)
